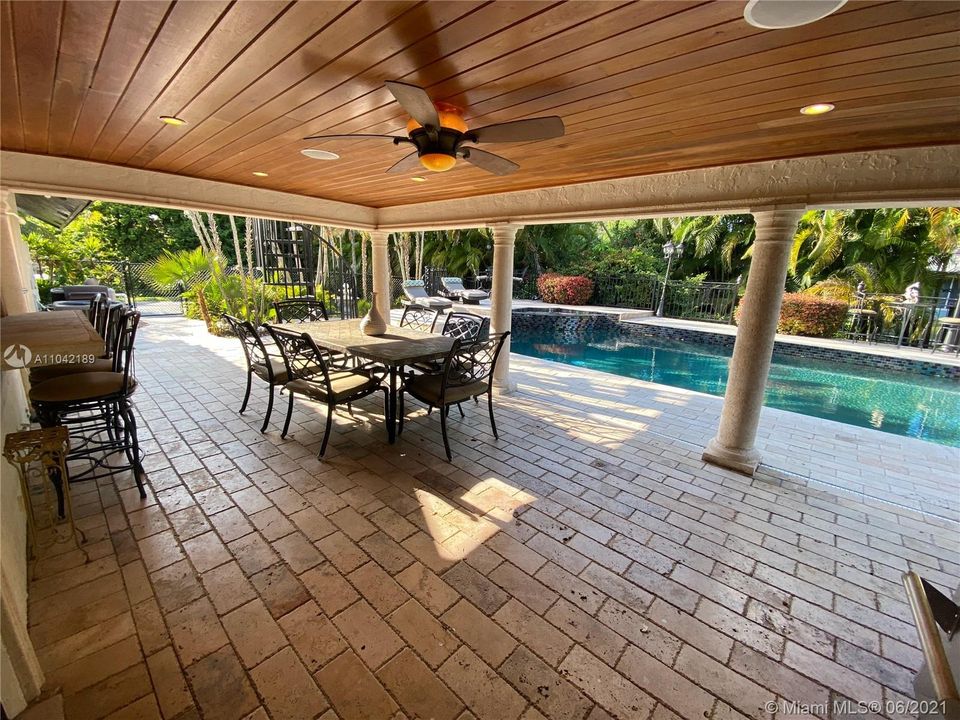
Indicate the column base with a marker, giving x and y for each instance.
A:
(504, 387)
(743, 461)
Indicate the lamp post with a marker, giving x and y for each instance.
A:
(670, 249)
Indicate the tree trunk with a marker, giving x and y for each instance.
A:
(202, 307)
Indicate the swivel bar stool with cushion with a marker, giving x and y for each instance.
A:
(96, 406)
(109, 326)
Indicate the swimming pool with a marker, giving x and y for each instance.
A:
(900, 403)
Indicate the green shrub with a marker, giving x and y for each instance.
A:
(804, 314)
(565, 289)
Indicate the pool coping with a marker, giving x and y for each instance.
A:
(865, 462)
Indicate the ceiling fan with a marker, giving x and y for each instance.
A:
(440, 135)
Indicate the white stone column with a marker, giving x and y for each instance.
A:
(733, 446)
(501, 297)
(16, 289)
(22, 677)
(380, 263)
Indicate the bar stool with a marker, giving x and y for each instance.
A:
(947, 335)
(861, 321)
(109, 321)
(96, 406)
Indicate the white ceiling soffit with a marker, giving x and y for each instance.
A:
(41, 174)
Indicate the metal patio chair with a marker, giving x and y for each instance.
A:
(310, 374)
(467, 372)
(97, 408)
(300, 310)
(417, 317)
(261, 362)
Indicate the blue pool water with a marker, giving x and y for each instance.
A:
(900, 403)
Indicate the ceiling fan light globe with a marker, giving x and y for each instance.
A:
(438, 162)
(452, 121)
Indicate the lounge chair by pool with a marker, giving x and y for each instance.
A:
(454, 288)
(415, 292)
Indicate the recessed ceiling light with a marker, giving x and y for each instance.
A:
(417, 178)
(779, 14)
(171, 120)
(319, 154)
(260, 173)
(817, 108)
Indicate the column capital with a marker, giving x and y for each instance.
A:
(504, 233)
(8, 202)
(777, 224)
(379, 237)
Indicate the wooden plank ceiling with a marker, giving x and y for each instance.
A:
(642, 87)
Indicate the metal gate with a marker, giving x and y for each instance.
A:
(146, 297)
(130, 283)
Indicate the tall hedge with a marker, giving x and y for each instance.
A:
(802, 314)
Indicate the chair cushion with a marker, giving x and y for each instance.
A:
(80, 387)
(48, 372)
(279, 370)
(482, 294)
(344, 384)
(435, 303)
(427, 389)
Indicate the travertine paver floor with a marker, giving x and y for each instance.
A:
(577, 568)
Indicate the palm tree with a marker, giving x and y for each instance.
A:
(886, 249)
(182, 267)
(552, 246)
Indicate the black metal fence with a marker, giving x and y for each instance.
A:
(640, 292)
(711, 302)
(343, 289)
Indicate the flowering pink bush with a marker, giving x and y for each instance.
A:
(565, 289)
(805, 314)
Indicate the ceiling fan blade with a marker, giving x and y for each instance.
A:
(541, 128)
(489, 162)
(416, 102)
(408, 163)
(352, 137)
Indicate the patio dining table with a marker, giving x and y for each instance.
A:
(394, 349)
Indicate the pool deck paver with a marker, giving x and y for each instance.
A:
(585, 565)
